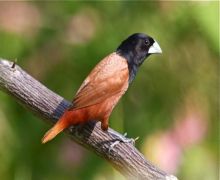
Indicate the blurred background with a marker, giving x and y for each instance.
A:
(172, 105)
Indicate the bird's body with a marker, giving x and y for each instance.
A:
(101, 90)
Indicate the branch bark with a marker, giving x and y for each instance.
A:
(50, 106)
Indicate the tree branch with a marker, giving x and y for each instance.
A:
(50, 106)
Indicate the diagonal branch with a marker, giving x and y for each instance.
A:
(49, 106)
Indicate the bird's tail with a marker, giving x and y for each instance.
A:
(56, 129)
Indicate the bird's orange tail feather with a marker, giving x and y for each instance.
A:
(56, 129)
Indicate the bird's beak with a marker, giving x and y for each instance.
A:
(155, 49)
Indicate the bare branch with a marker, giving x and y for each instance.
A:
(49, 106)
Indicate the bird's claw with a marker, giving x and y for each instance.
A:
(127, 140)
(113, 145)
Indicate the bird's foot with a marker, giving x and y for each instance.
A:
(123, 140)
(126, 140)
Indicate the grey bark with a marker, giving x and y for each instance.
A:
(49, 106)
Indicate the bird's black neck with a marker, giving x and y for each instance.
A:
(133, 63)
(133, 68)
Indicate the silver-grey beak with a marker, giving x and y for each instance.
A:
(155, 49)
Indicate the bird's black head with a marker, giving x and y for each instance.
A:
(135, 49)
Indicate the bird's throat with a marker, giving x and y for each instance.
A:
(133, 68)
(133, 64)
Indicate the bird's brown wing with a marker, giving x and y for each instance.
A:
(108, 78)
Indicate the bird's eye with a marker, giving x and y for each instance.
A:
(147, 42)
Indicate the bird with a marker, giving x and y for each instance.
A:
(106, 84)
